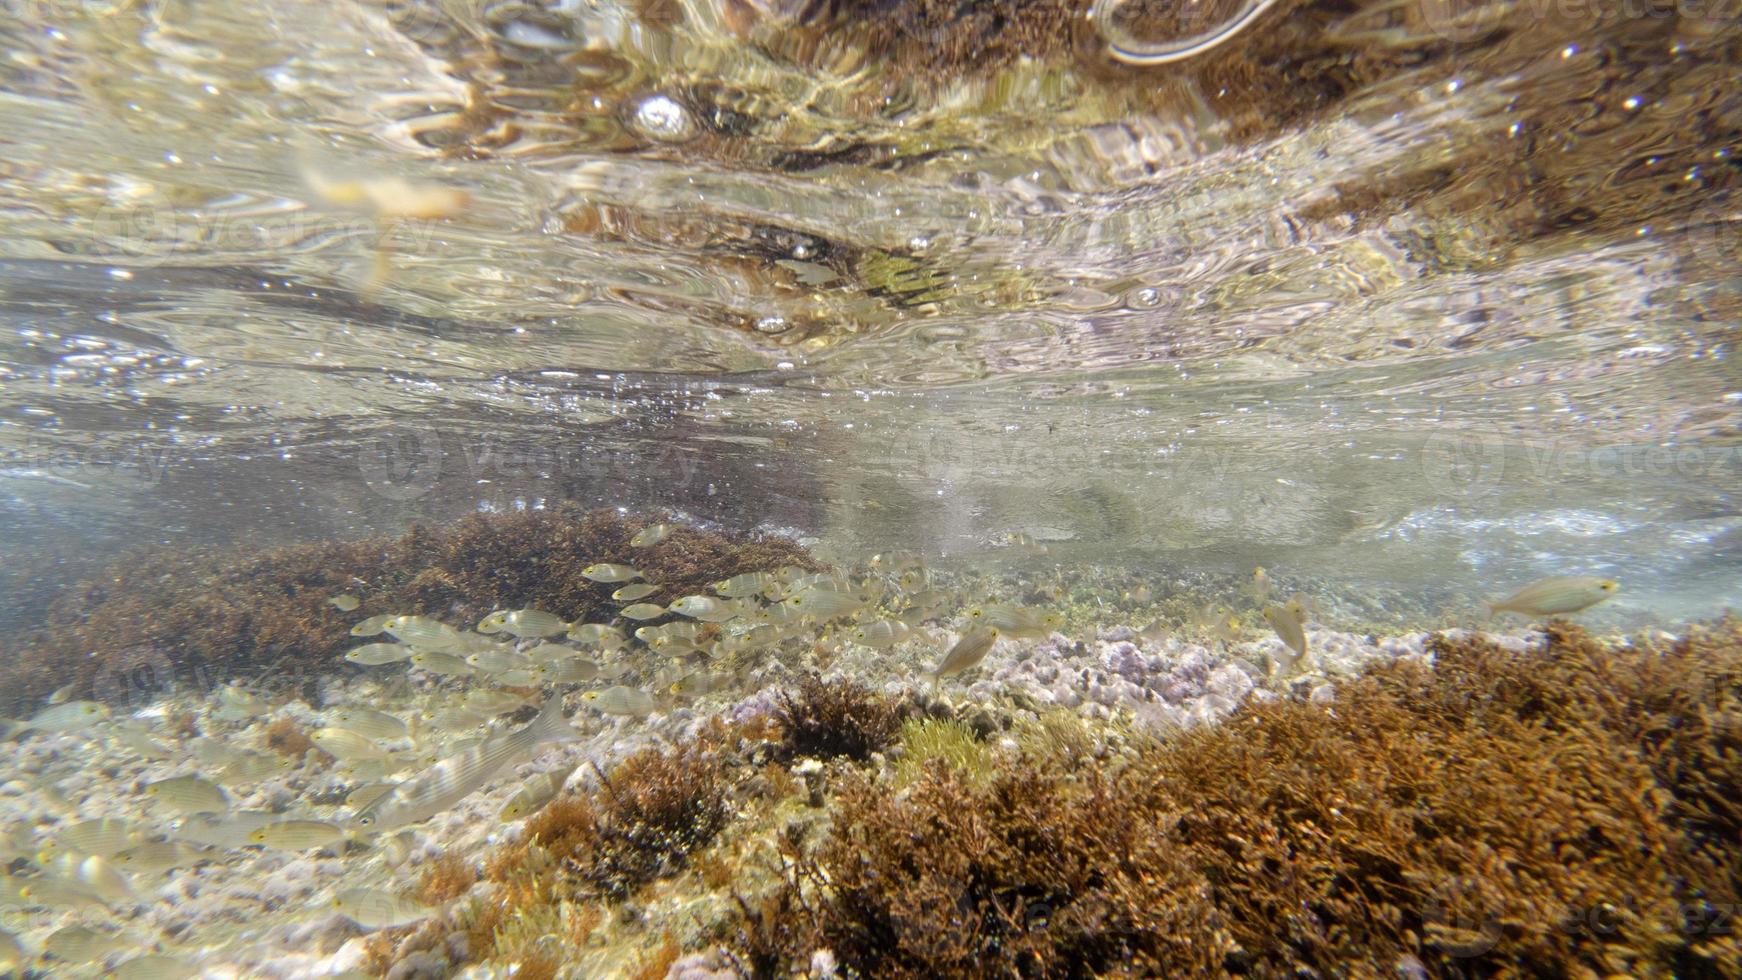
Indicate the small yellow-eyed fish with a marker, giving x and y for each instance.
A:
(346, 745)
(968, 651)
(688, 631)
(54, 893)
(236, 704)
(610, 573)
(103, 837)
(1227, 629)
(823, 603)
(574, 670)
(462, 774)
(643, 610)
(596, 633)
(444, 664)
(1260, 585)
(373, 908)
(635, 591)
(98, 875)
(1287, 624)
(345, 603)
(423, 633)
(373, 625)
(364, 795)
(154, 856)
(528, 624)
(252, 767)
(376, 654)
(650, 535)
(82, 944)
(546, 653)
(69, 716)
(296, 835)
(154, 966)
(534, 794)
(230, 831)
(499, 660)
(11, 952)
(747, 584)
(622, 700)
(368, 722)
(189, 794)
(494, 702)
(1556, 595)
(880, 633)
(139, 740)
(701, 682)
(697, 606)
(779, 614)
(1016, 622)
(674, 646)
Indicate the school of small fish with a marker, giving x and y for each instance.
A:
(81, 873)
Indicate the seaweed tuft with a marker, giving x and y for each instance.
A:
(445, 878)
(644, 820)
(830, 719)
(1558, 813)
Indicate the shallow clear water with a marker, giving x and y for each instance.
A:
(1412, 299)
(1384, 306)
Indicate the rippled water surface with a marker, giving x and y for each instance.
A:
(1422, 293)
(1104, 325)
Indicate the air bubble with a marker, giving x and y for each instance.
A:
(663, 118)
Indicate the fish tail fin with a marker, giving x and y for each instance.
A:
(1488, 611)
(550, 725)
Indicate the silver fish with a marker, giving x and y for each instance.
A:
(968, 651)
(373, 908)
(611, 573)
(1556, 595)
(459, 776)
(650, 535)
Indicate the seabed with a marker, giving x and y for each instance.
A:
(1145, 789)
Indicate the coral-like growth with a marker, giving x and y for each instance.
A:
(931, 741)
(657, 962)
(1561, 812)
(643, 821)
(825, 719)
(265, 614)
(287, 738)
(445, 878)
